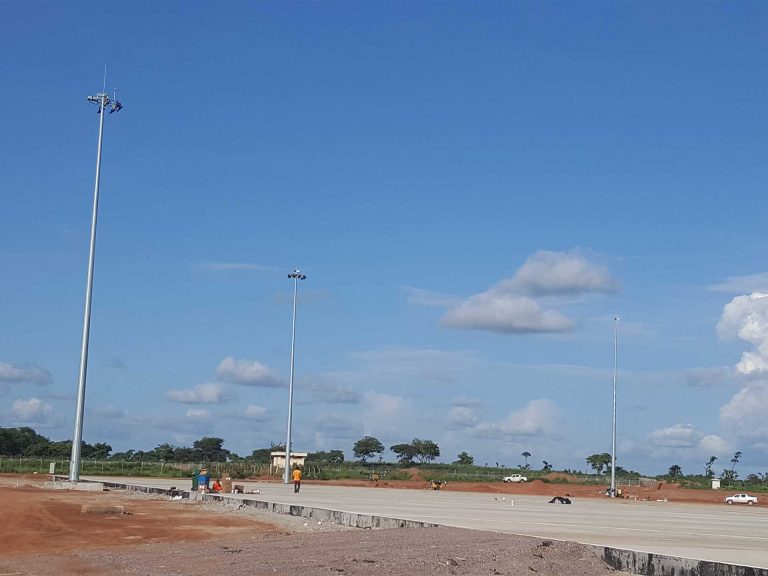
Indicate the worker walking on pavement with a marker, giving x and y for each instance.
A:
(296, 480)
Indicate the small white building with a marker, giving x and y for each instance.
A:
(278, 460)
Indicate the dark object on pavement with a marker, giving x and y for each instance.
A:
(560, 500)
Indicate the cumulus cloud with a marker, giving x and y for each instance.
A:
(247, 372)
(747, 412)
(558, 273)
(513, 306)
(746, 317)
(198, 413)
(200, 394)
(254, 412)
(31, 409)
(462, 417)
(506, 313)
(683, 440)
(25, 373)
(382, 405)
(538, 418)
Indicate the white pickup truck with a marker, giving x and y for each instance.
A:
(515, 478)
(741, 499)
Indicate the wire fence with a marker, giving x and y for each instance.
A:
(22, 465)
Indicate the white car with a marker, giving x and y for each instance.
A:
(515, 478)
(741, 499)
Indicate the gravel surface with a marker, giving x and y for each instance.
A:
(394, 552)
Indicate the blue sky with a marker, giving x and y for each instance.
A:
(475, 190)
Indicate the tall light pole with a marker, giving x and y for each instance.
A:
(296, 275)
(613, 423)
(104, 103)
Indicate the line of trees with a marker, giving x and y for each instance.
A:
(417, 450)
(25, 442)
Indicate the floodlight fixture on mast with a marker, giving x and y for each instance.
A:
(296, 275)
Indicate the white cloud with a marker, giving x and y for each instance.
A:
(506, 313)
(109, 412)
(32, 409)
(247, 372)
(747, 412)
(198, 413)
(538, 418)
(384, 415)
(382, 406)
(513, 305)
(27, 373)
(256, 412)
(685, 441)
(746, 318)
(558, 273)
(712, 444)
(679, 435)
(200, 394)
(743, 284)
(462, 417)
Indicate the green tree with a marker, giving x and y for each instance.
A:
(210, 449)
(263, 455)
(729, 475)
(22, 441)
(367, 447)
(336, 457)
(735, 460)
(164, 453)
(708, 467)
(547, 466)
(405, 453)
(526, 455)
(322, 457)
(675, 471)
(464, 459)
(425, 450)
(599, 461)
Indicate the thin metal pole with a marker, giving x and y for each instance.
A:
(613, 425)
(286, 475)
(74, 465)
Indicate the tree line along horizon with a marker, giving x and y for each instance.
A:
(26, 442)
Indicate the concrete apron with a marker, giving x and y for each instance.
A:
(631, 561)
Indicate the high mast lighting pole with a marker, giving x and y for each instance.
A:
(104, 103)
(296, 275)
(613, 421)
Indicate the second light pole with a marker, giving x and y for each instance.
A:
(613, 420)
(296, 275)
